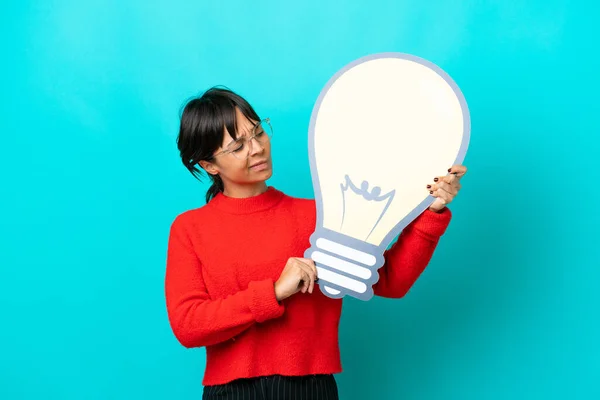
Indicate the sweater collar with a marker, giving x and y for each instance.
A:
(247, 205)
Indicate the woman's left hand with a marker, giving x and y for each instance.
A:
(445, 188)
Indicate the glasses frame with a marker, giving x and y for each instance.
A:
(249, 140)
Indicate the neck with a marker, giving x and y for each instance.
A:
(244, 191)
(248, 204)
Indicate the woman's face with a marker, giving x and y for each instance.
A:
(233, 168)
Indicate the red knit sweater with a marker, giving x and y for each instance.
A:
(222, 262)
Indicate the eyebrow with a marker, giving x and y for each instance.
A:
(233, 140)
(251, 129)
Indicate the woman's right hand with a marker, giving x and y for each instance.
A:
(299, 274)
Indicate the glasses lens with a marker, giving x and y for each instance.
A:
(262, 132)
(264, 129)
(239, 148)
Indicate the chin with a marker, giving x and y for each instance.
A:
(268, 174)
(260, 176)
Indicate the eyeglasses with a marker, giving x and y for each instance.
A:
(241, 148)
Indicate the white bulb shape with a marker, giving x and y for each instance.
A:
(382, 128)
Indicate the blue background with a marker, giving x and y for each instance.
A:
(91, 180)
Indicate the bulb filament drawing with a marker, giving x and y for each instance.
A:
(378, 201)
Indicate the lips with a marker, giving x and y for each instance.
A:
(258, 163)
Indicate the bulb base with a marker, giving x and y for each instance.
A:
(345, 265)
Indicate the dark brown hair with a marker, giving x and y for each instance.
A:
(201, 130)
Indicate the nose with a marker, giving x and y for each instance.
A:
(255, 147)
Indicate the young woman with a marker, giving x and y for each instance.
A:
(236, 282)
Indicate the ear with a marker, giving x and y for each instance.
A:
(209, 167)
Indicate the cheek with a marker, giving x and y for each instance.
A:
(235, 169)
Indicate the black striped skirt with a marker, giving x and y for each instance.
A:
(276, 387)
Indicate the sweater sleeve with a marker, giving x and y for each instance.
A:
(408, 257)
(198, 320)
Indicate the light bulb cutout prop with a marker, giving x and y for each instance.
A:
(382, 128)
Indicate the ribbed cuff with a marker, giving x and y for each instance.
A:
(263, 303)
(433, 223)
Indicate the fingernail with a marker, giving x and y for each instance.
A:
(449, 169)
(435, 179)
(430, 192)
(428, 186)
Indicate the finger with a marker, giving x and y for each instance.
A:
(311, 271)
(303, 282)
(454, 182)
(313, 268)
(310, 264)
(305, 272)
(304, 285)
(443, 195)
(451, 178)
(307, 275)
(445, 186)
(310, 280)
(440, 183)
(447, 178)
(309, 283)
(458, 170)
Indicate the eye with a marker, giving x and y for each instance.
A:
(236, 146)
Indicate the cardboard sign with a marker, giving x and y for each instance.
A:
(382, 127)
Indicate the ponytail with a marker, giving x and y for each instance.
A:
(216, 187)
